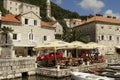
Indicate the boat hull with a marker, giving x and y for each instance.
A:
(88, 76)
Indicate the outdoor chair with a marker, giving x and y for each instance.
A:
(70, 62)
(75, 62)
(62, 64)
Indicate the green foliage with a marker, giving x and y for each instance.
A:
(65, 28)
(74, 35)
(4, 11)
(6, 30)
(59, 14)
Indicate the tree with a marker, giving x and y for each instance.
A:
(75, 35)
(5, 30)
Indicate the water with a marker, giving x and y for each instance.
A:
(46, 78)
(41, 78)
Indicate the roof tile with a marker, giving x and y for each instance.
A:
(101, 19)
(10, 18)
(46, 24)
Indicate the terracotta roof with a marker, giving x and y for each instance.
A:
(101, 19)
(46, 24)
(10, 18)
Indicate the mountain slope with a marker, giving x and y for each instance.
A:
(2, 9)
(57, 12)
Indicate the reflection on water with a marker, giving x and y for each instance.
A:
(45, 78)
(41, 78)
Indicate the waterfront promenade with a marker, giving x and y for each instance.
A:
(56, 72)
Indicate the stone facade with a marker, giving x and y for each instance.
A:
(16, 7)
(72, 22)
(48, 11)
(102, 32)
(28, 35)
(11, 68)
(58, 30)
(54, 72)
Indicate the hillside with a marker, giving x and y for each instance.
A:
(61, 13)
(57, 12)
(2, 9)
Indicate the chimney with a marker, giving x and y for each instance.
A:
(114, 17)
(99, 15)
(109, 17)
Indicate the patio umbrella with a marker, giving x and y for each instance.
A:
(94, 45)
(77, 43)
(74, 45)
(55, 44)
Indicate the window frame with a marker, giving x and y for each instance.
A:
(35, 22)
(26, 21)
(30, 36)
(45, 38)
(110, 37)
(102, 37)
(15, 36)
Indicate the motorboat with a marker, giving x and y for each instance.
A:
(88, 76)
(111, 74)
(96, 70)
(114, 66)
(105, 72)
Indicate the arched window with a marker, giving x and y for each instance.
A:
(30, 36)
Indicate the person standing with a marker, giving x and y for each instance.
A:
(96, 54)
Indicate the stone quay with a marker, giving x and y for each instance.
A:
(12, 68)
(59, 73)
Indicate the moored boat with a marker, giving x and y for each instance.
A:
(114, 66)
(111, 74)
(88, 76)
(105, 72)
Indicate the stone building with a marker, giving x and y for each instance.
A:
(58, 28)
(105, 31)
(27, 34)
(28, 28)
(16, 7)
(54, 22)
(72, 22)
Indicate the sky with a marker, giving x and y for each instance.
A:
(86, 7)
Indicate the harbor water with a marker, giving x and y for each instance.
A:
(38, 77)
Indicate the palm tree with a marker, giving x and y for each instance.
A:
(75, 35)
(4, 31)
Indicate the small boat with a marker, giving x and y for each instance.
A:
(96, 70)
(88, 76)
(105, 72)
(114, 66)
(111, 74)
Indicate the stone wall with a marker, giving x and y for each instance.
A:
(10, 68)
(54, 72)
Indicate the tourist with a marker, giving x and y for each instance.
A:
(96, 54)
